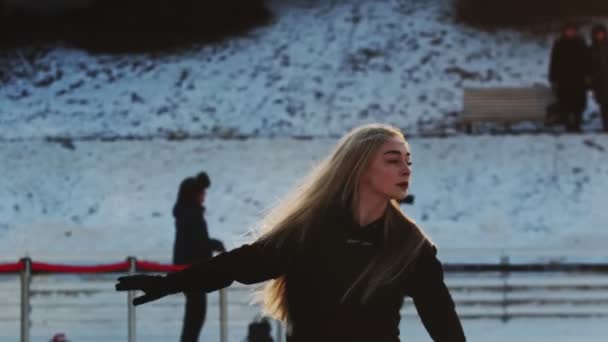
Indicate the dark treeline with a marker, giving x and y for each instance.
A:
(513, 13)
(135, 25)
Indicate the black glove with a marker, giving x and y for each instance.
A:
(153, 286)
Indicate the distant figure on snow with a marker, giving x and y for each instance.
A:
(192, 245)
(568, 70)
(599, 70)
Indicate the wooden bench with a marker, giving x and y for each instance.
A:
(505, 105)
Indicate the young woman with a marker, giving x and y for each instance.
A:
(339, 252)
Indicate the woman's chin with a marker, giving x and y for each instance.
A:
(399, 196)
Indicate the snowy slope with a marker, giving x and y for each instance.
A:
(476, 196)
(321, 67)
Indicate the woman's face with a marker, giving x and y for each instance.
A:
(390, 170)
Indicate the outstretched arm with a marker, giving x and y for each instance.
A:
(433, 301)
(247, 264)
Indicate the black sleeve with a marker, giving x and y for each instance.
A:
(247, 264)
(433, 300)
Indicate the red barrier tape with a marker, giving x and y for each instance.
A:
(11, 268)
(156, 267)
(142, 266)
(57, 268)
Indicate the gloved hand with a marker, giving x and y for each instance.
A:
(154, 287)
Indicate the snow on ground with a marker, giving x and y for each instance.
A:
(533, 330)
(478, 197)
(318, 70)
(320, 67)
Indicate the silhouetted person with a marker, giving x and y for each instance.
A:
(568, 71)
(259, 331)
(339, 253)
(599, 70)
(192, 245)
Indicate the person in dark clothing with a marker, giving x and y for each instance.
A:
(599, 70)
(193, 245)
(192, 241)
(259, 331)
(339, 253)
(568, 70)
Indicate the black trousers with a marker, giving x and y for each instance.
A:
(194, 316)
(572, 107)
(604, 110)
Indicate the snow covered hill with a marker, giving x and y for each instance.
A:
(93, 147)
(477, 197)
(318, 69)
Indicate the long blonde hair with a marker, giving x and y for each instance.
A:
(336, 181)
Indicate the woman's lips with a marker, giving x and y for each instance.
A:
(403, 185)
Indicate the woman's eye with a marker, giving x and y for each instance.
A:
(397, 161)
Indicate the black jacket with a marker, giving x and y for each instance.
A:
(318, 275)
(569, 64)
(599, 71)
(192, 242)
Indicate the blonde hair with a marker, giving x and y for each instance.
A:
(335, 181)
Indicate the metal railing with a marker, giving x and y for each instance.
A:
(503, 284)
(523, 290)
(26, 268)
